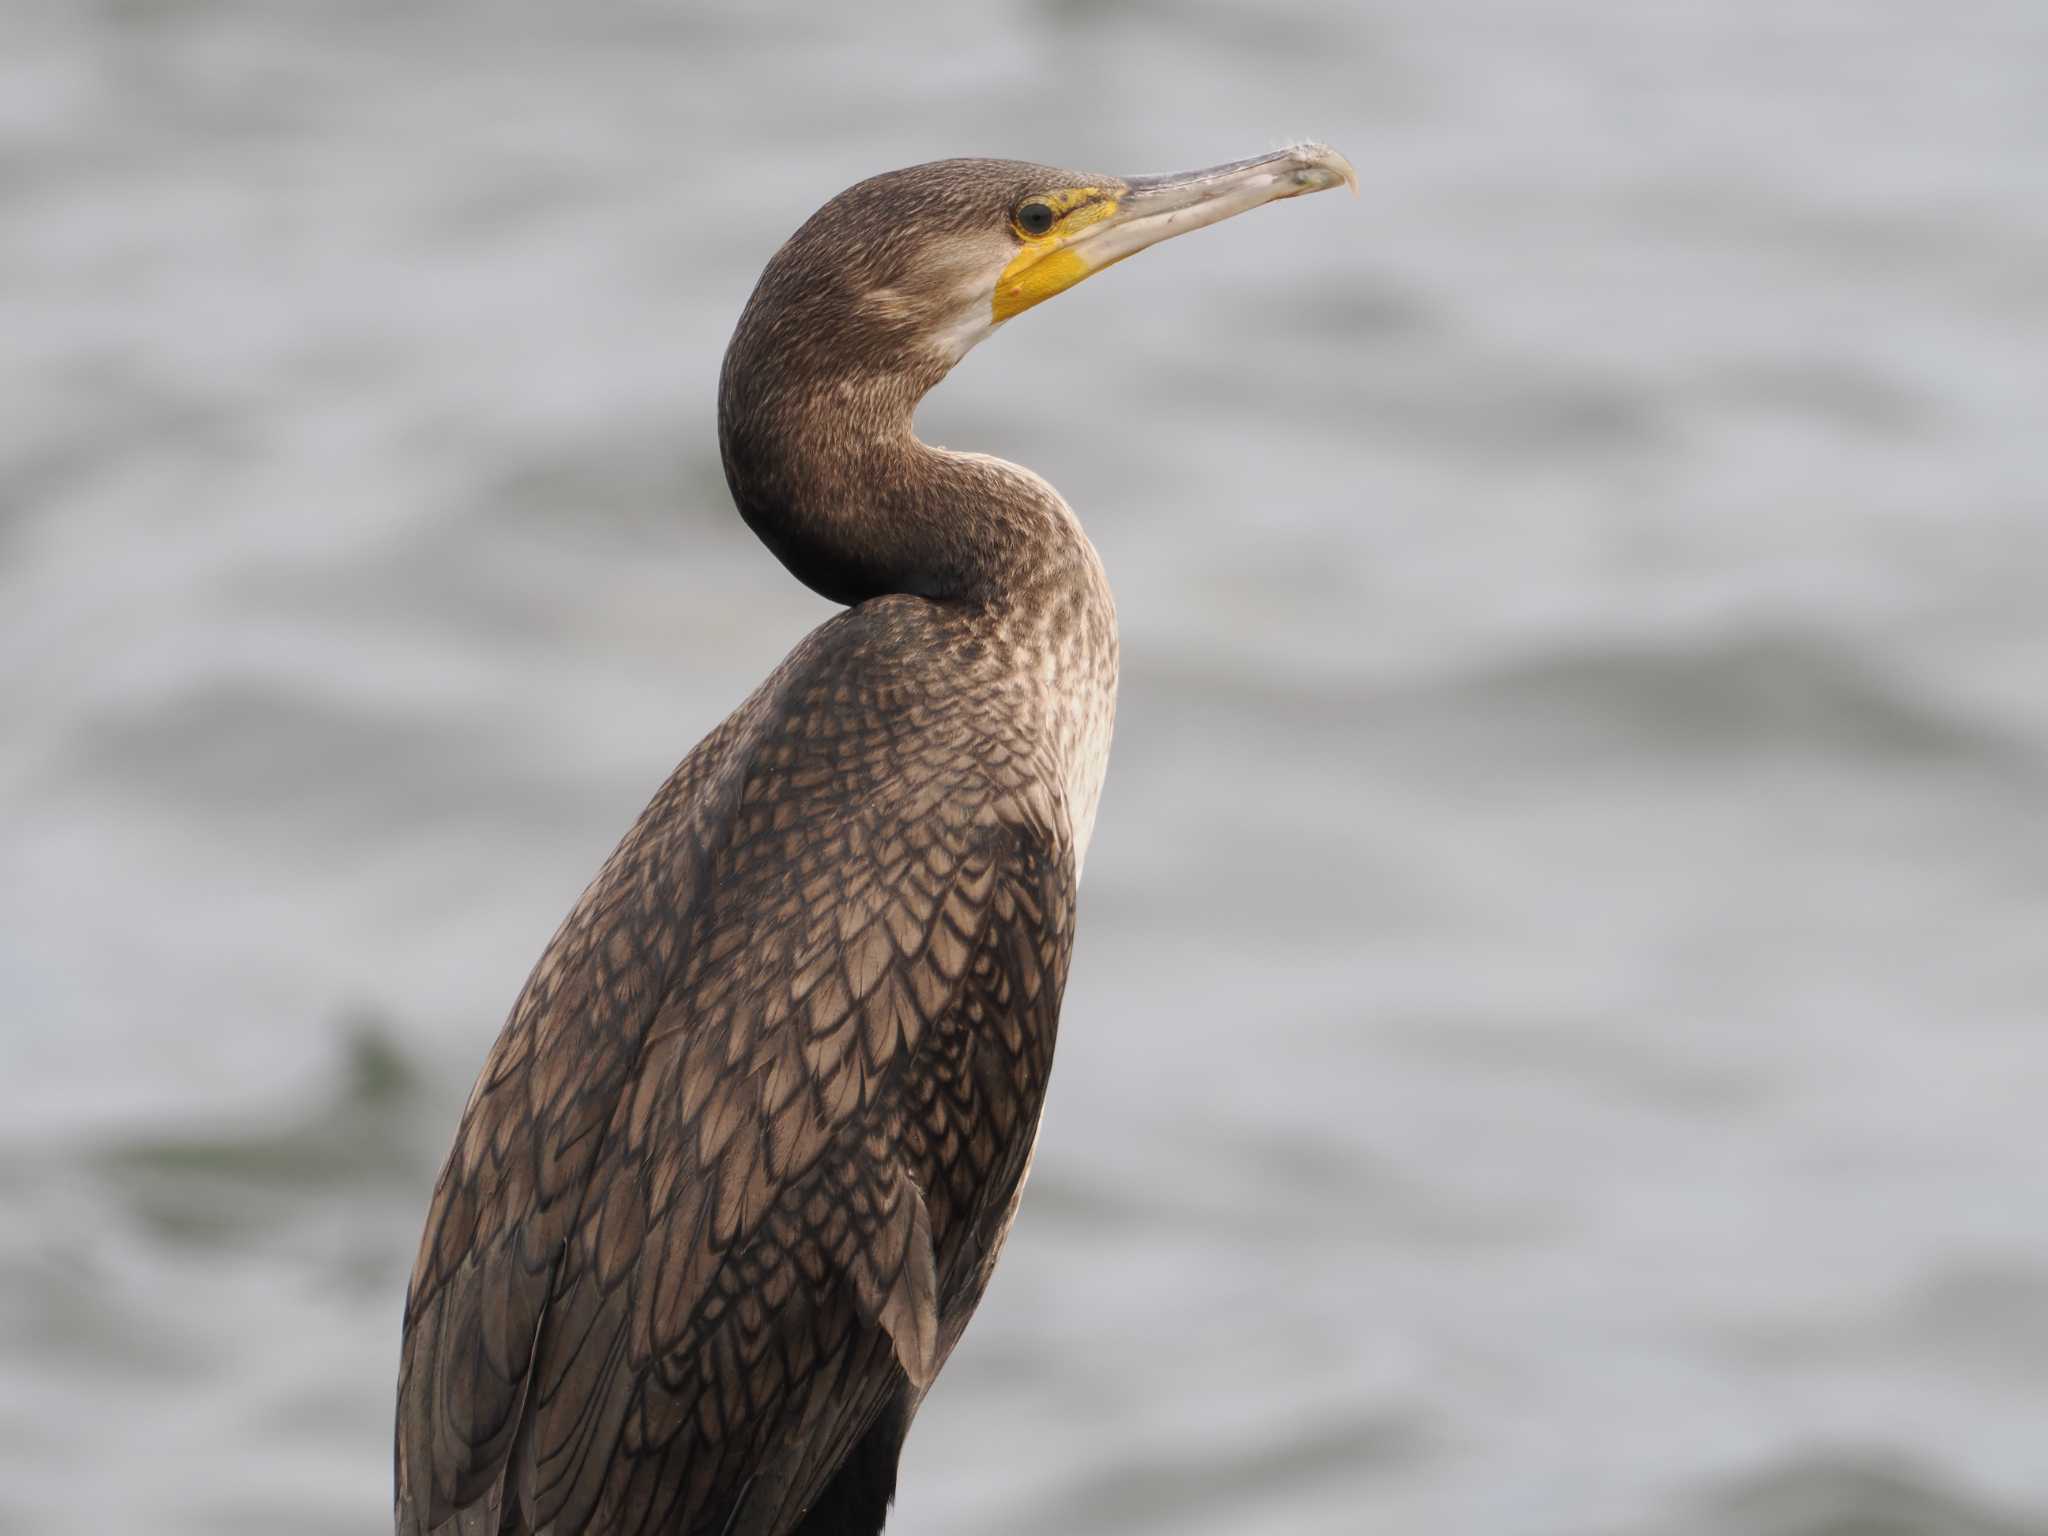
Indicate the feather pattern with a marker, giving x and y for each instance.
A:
(735, 1173)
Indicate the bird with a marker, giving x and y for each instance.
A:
(737, 1170)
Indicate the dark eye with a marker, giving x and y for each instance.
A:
(1035, 218)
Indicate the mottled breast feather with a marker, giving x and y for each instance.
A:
(735, 1172)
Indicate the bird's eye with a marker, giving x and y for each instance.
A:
(1035, 218)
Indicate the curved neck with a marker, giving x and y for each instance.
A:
(827, 471)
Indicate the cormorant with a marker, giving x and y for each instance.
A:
(736, 1172)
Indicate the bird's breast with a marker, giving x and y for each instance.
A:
(1064, 641)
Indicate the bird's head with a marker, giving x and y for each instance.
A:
(869, 304)
(908, 270)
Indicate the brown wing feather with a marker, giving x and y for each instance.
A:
(735, 1172)
(516, 1177)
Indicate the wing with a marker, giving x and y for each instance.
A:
(769, 1098)
(515, 1178)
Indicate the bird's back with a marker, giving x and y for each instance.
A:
(735, 1173)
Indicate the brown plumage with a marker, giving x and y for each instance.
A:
(737, 1170)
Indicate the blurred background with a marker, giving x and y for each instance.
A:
(1556, 1043)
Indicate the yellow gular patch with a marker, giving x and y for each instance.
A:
(1045, 266)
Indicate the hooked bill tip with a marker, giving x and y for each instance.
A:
(1321, 166)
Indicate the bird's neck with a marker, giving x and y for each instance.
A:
(835, 482)
(830, 475)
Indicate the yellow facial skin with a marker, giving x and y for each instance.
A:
(1045, 266)
(1093, 227)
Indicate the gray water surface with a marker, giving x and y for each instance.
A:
(1556, 1045)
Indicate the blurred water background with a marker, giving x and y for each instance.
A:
(1556, 1044)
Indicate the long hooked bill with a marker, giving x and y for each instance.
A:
(1149, 209)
